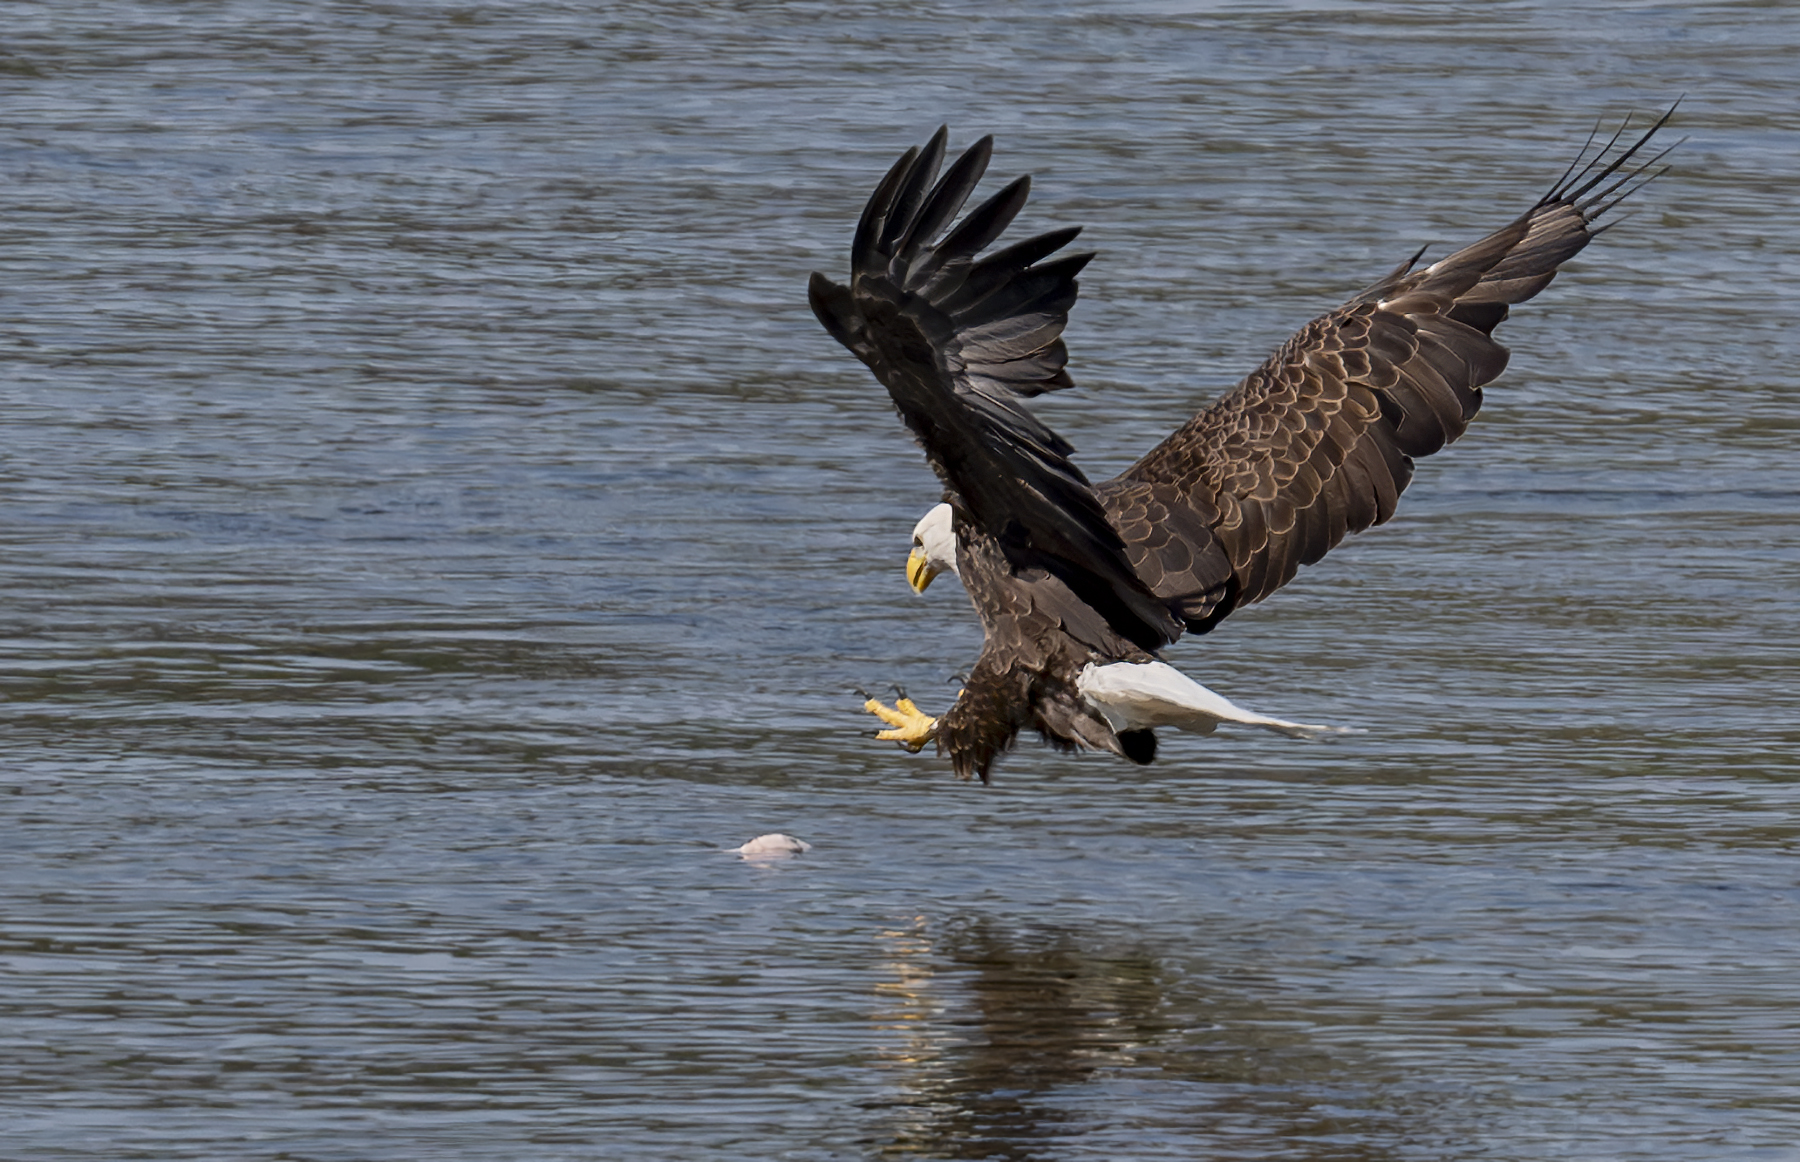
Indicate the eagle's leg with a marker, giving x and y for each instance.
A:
(912, 727)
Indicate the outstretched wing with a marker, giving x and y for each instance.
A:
(1319, 441)
(958, 340)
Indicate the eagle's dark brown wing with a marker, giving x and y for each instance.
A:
(958, 339)
(1319, 441)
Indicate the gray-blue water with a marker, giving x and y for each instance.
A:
(434, 527)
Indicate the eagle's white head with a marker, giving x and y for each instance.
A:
(934, 548)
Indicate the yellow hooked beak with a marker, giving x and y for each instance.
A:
(919, 571)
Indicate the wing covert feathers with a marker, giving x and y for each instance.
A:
(958, 339)
(1319, 441)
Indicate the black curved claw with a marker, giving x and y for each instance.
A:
(898, 689)
(958, 679)
(862, 693)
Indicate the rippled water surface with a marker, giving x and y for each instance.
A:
(435, 528)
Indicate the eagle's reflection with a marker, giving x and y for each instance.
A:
(1002, 1040)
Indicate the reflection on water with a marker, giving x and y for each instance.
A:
(999, 1028)
(984, 1070)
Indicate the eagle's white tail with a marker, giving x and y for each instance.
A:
(1136, 695)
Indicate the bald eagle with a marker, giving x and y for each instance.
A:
(1078, 585)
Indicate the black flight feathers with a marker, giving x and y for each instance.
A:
(958, 339)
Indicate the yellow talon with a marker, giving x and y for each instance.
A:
(913, 728)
